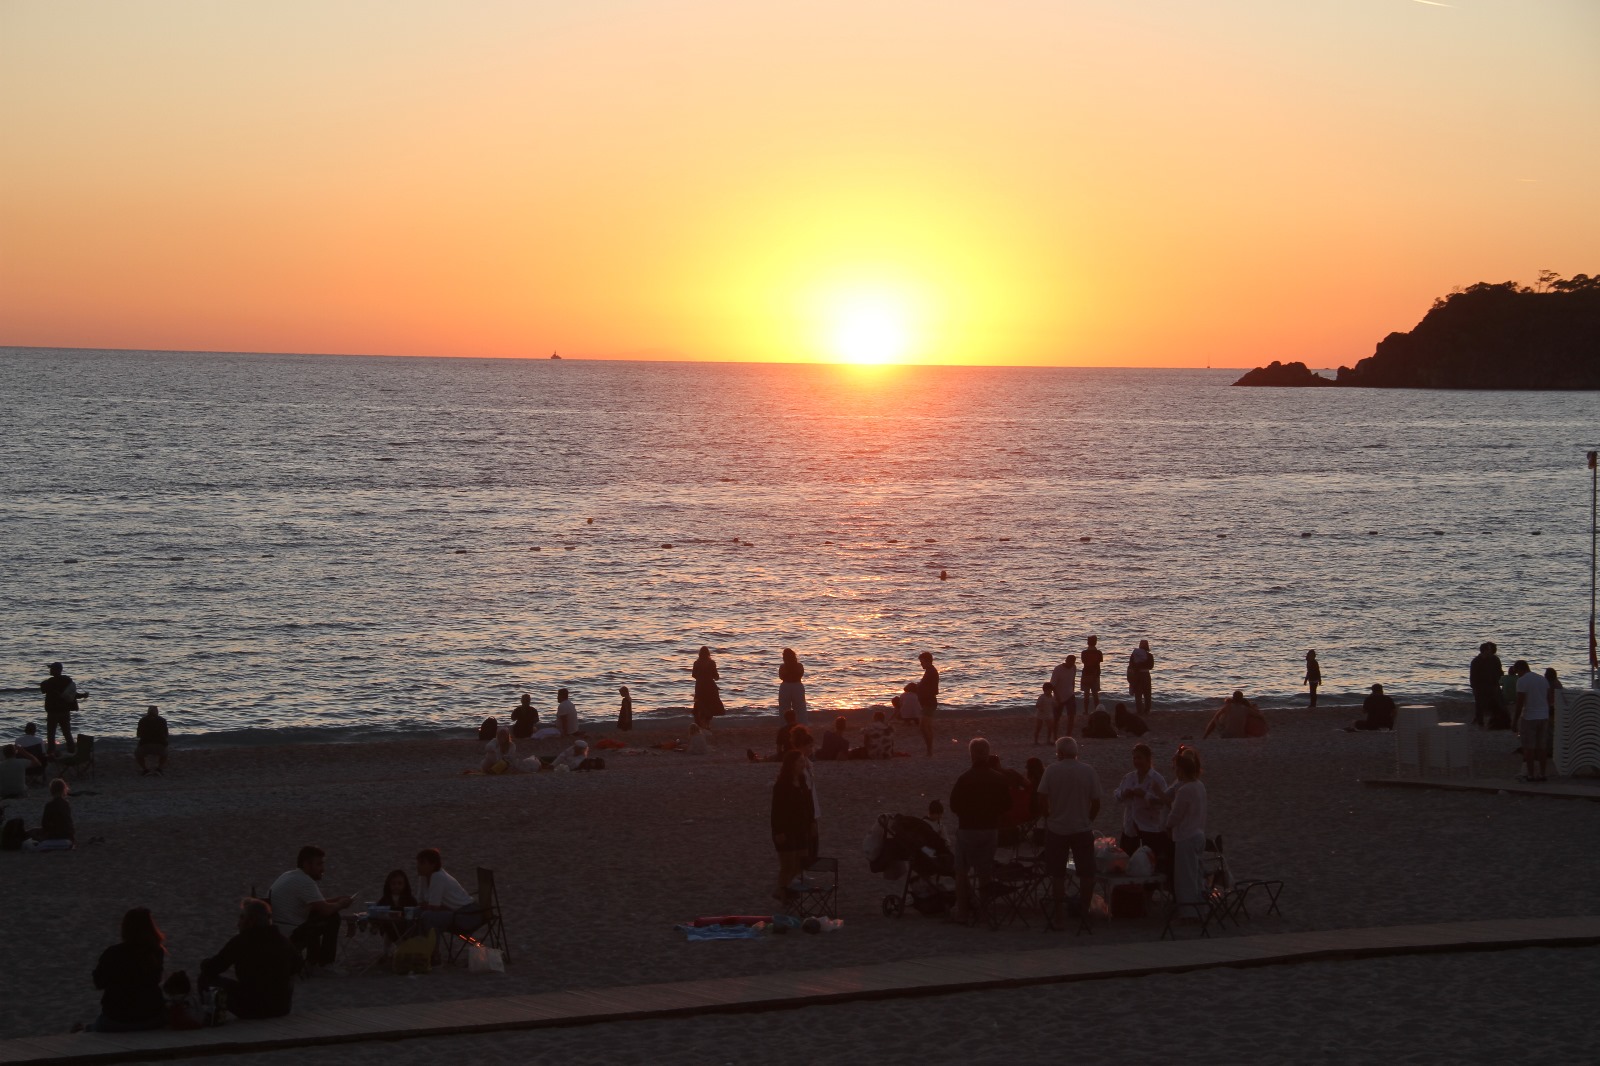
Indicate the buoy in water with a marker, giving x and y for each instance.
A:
(1083, 540)
(666, 545)
(1305, 534)
(944, 575)
(590, 521)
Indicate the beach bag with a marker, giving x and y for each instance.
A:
(12, 834)
(414, 954)
(482, 959)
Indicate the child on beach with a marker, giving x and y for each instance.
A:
(1045, 713)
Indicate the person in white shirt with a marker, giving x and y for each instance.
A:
(1532, 720)
(442, 903)
(31, 742)
(1069, 798)
(1144, 819)
(566, 714)
(1187, 824)
(302, 913)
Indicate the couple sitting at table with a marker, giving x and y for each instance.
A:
(440, 904)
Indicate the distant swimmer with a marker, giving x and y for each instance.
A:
(1091, 658)
(524, 718)
(791, 690)
(707, 696)
(1140, 663)
(1313, 676)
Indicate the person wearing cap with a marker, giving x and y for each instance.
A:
(61, 698)
(576, 757)
(1380, 712)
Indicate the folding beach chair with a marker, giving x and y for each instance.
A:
(491, 923)
(1235, 902)
(1012, 891)
(80, 761)
(818, 896)
(1215, 892)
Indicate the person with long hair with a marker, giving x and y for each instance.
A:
(1186, 823)
(397, 897)
(707, 697)
(791, 688)
(129, 977)
(263, 962)
(793, 821)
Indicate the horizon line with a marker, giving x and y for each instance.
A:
(619, 359)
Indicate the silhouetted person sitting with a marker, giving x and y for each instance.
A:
(152, 735)
(301, 912)
(56, 823)
(1129, 721)
(1238, 718)
(263, 963)
(524, 718)
(834, 743)
(783, 746)
(1098, 726)
(129, 977)
(490, 727)
(1380, 712)
(16, 766)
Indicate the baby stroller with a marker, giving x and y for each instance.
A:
(930, 867)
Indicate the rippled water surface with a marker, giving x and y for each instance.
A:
(337, 543)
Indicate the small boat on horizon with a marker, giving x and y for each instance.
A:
(553, 355)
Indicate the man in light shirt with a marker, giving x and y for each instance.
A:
(445, 905)
(1069, 793)
(310, 921)
(1144, 816)
(566, 714)
(1533, 716)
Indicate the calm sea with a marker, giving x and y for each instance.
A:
(281, 546)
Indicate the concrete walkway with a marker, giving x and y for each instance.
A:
(778, 991)
(1572, 789)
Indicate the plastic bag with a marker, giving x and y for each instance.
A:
(481, 959)
(1142, 863)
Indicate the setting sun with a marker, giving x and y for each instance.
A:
(869, 330)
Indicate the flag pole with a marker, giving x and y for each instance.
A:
(1594, 499)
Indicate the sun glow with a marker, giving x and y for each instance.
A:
(869, 330)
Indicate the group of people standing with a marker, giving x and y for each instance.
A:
(1522, 700)
(1081, 672)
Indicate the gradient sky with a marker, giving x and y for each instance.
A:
(1163, 183)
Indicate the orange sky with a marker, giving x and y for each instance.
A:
(1165, 183)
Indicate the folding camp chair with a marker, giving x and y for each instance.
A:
(1215, 893)
(818, 896)
(81, 759)
(1235, 902)
(1012, 891)
(491, 923)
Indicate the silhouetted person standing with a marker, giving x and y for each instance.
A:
(707, 696)
(1313, 676)
(61, 698)
(1064, 683)
(1140, 663)
(928, 696)
(791, 687)
(1091, 658)
(1488, 707)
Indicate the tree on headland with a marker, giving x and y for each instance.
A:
(1490, 335)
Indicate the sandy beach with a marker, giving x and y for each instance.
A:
(596, 868)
